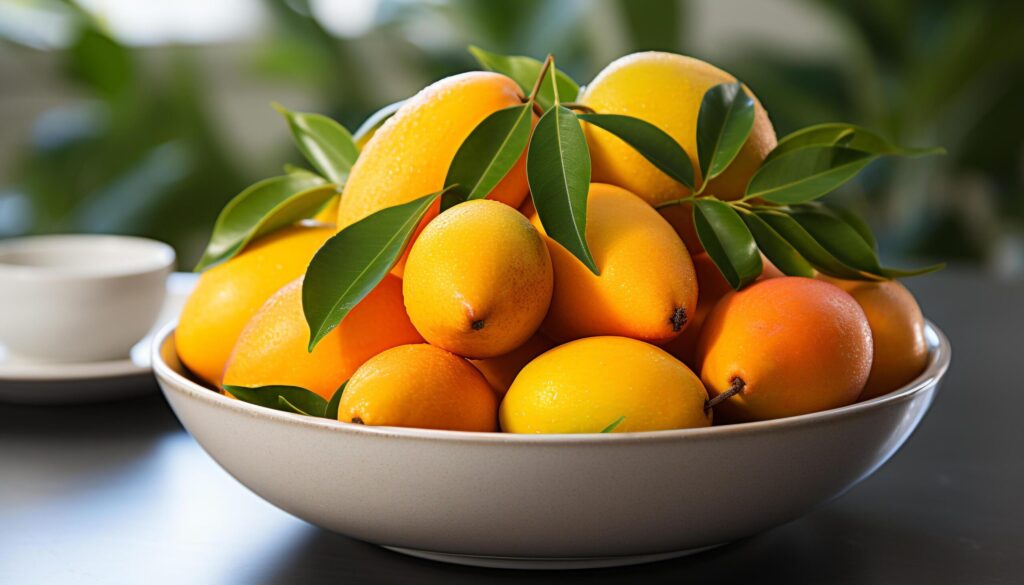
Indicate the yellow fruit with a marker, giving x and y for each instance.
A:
(791, 346)
(586, 385)
(419, 386)
(228, 295)
(272, 349)
(409, 155)
(666, 90)
(500, 371)
(647, 288)
(329, 214)
(897, 330)
(478, 280)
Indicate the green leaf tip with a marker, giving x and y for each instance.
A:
(524, 71)
(613, 425)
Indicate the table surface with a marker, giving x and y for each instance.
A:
(119, 493)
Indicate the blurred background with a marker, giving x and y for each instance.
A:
(144, 118)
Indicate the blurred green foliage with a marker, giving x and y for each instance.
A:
(140, 153)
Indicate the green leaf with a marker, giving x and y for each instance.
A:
(326, 144)
(854, 221)
(614, 424)
(262, 208)
(650, 141)
(331, 411)
(286, 398)
(489, 152)
(723, 124)
(836, 236)
(350, 264)
(782, 254)
(374, 122)
(807, 246)
(558, 170)
(524, 71)
(807, 173)
(848, 135)
(727, 241)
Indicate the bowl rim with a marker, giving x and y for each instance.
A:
(148, 256)
(939, 356)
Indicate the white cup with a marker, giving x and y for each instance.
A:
(80, 298)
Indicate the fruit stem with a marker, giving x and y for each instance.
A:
(540, 78)
(737, 386)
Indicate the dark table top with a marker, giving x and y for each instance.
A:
(119, 493)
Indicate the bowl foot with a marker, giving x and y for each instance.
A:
(542, 563)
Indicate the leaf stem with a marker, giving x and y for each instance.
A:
(672, 202)
(580, 107)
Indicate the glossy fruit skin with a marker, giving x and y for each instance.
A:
(897, 329)
(272, 349)
(408, 157)
(666, 90)
(502, 370)
(799, 345)
(585, 385)
(478, 280)
(419, 386)
(647, 288)
(712, 286)
(228, 295)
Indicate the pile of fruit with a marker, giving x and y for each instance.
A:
(507, 251)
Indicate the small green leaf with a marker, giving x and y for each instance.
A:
(836, 236)
(650, 141)
(350, 264)
(807, 173)
(326, 144)
(614, 424)
(286, 398)
(558, 170)
(854, 221)
(524, 71)
(727, 241)
(807, 246)
(848, 135)
(374, 122)
(288, 406)
(724, 122)
(489, 152)
(331, 411)
(262, 208)
(783, 255)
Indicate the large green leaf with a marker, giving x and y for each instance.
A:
(285, 398)
(727, 241)
(326, 144)
(781, 253)
(558, 170)
(524, 71)
(489, 153)
(806, 245)
(650, 141)
(723, 124)
(350, 264)
(807, 173)
(848, 135)
(374, 122)
(263, 208)
(854, 221)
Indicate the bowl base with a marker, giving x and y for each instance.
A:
(547, 563)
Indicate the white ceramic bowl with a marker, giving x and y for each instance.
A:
(79, 298)
(547, 501)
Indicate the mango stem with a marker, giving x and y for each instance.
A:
(737, 386)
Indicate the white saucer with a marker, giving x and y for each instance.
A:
(31, 382)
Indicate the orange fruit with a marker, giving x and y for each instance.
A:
(897, 329)
(408, 157)
(647, 288)
(419, 386)
(478, 300)
(501, 370)
(586, 385)
(272, 349)
(791, 345)
(228, 295)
